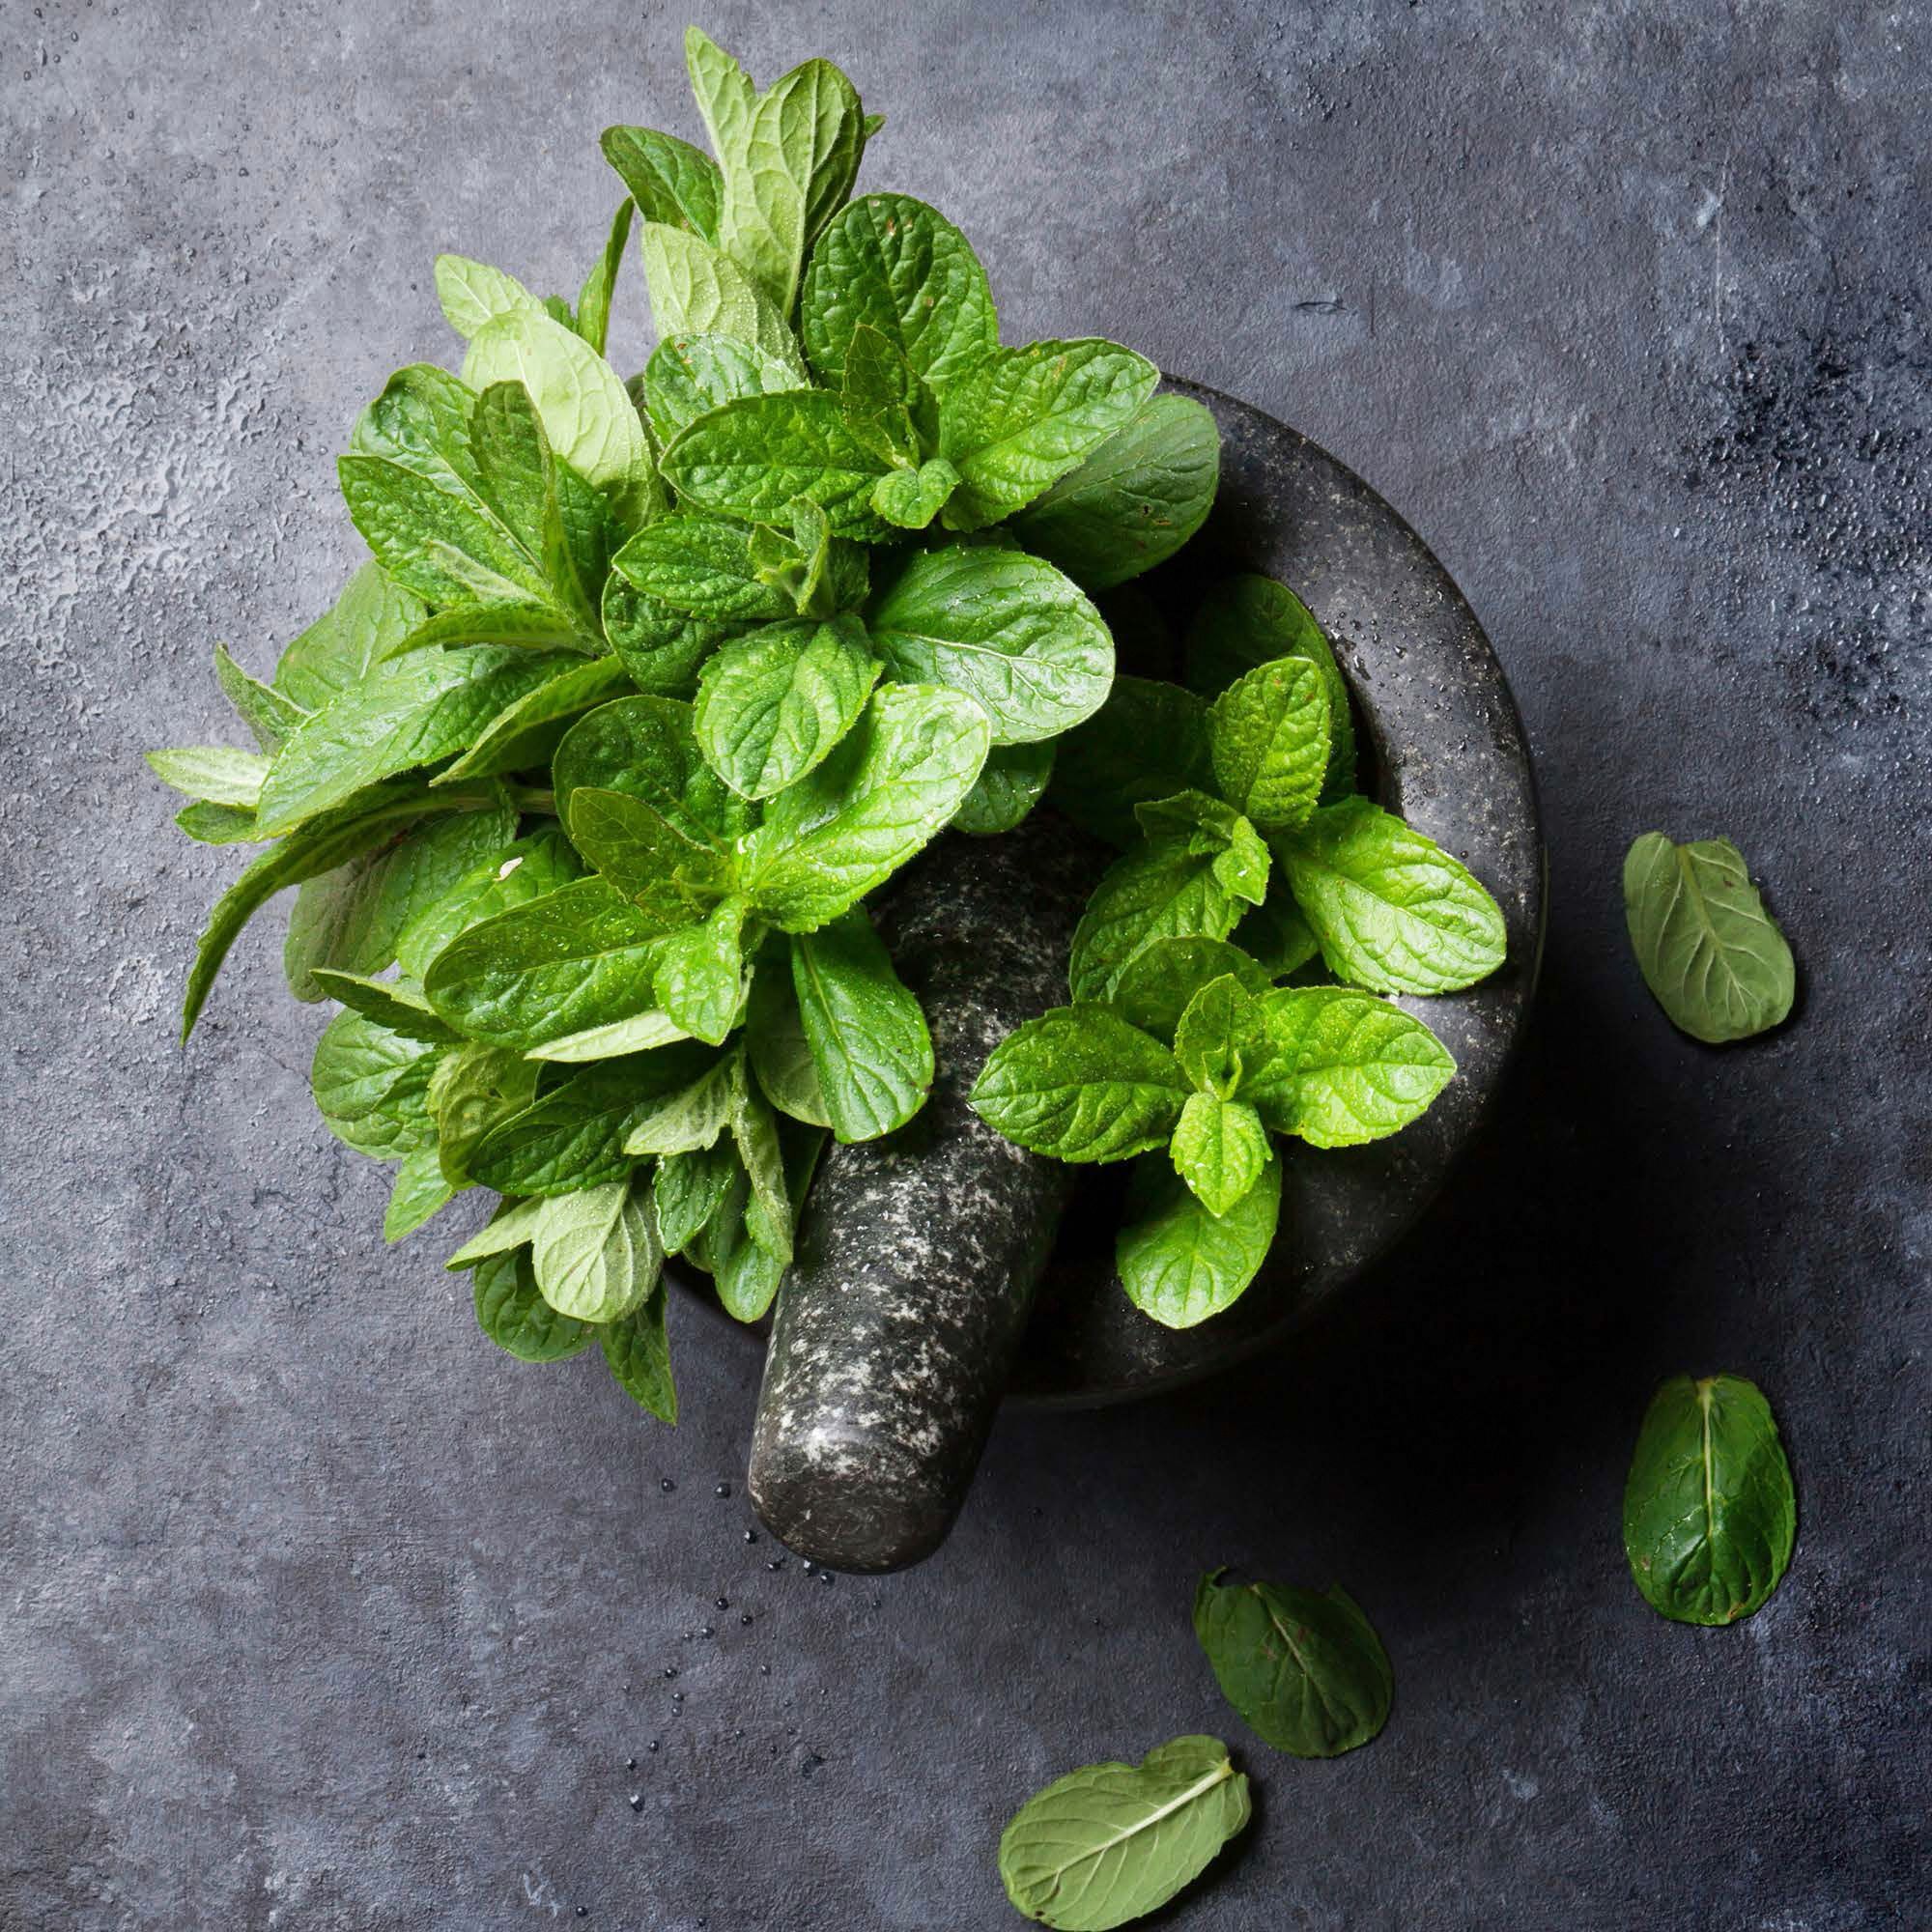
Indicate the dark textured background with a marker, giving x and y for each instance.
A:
(317, 1612)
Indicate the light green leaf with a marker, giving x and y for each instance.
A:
(420, 1195)
(893, 264)
(407, 712)
(671, 181)
(1268, 735)
(911, 499)
(865, 1031)
(699, 975)
(672, 878)
(690, 1119)
(1082, 1085)
(1306, 1671)
(1209, 828)
(268, 715)
(1158, 983)
(524, 733)
(593, 300)
(688, 375)
(702, 566)
(1007, 629)
(217, 824)
(775, 1040)
(1221, 1036)
(509, 1228)
(638, 1350)
(595, 1251)
(217, 773)
(772, 706)
(523, 870)
(1220, 1148)
(475, 1090)
(1708, 950)
(371, 1087)
(647, 749)
(397, 1004)
(846, 826)
(1160, 891)
(755, 457)
(1248, 620)
(1021, 418)
(1012, 782)
(1149, 740)
(1340, 1067)
(1182, 1264)
(636, 1034)
(371, 620)
(578, 958)
(1710, 1515)
(1392, 910)
(755, 1133)
(511, 1310)
(696, 290)
(472, 294)
(1112, 1842)
(1134, 501)
(726, 96)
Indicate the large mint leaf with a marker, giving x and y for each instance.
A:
(772, 706)
(1392, 910)
(372, 1086)
(1007, 629)
(407, 712)
(524, 733)
(866, 1033)
(588, 413)
(696, 290)
(637, 1350)
(700, 976)
(1341, 1068)
(726, 97)
(524, 870)
(647, 749)
(703, 567)
(371, 620)
(1158, 891)
(1306, 1671)
(893, 264)
(595, 1251)
(1269, 732)
(756, 457)
(688, 375)
(578, 958)
(1220, 1148)
(1134, 501)
(1023, 418)
(650, 859)
(671, 181)
(1182, 1264)
(1112, 1842)
(473, 293)
(1082, 1085)
(352, 920)
(1708, 950)
(661, 648)
(1149, 740)
(512, 1313)
(1249, 621)
(846, 828)
(1710, 1515)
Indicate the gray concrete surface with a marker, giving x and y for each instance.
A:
(319, 1613)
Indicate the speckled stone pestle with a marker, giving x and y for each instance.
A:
(897, 1325)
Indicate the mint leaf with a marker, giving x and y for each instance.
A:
(776, 1043)
(1211, 828)
(588, 413)
(688, 1190)
(1219, 1148)
(1222, 1036)
(509, 1228)
(515, 1316)
(671, 181)
(407, 712)
(593, 300)
(1149, 740)
(1021, 418)
(1155, 988)
(755, 1133)
(846, 826)
(637, 1353)
(700, 976)
(352, 919)
(1247, 621)
(217, 824)
(1160, 891)
(1306, 1671)
(660, 648)
(754, 458)
(397, 1005)
(268, 715)
(893, 264)
(524, 732)
(1004, 628)
(724, 91)
(520, 871)
(702, 566)
(218, 773)
(420, 1195)
(1112, 1842)
(1707, 948)
(866, 1032)
(1710, 1515)
(638, 1033)
(1392, 910)
(1082, 1085)
(697, 290)
(1012, 782)
(688, 375)
(595, 1251)
(1268, 735)
(1181, 1265)
(579, 958)
(371, 620)
(1341, 1068)
(473, 1091)
(772, 706)
(647, 749)
(692, 1118)
(473, 293)
(1134, 501)
(911, 499)
(371, 1087)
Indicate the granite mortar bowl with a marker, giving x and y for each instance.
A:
(1443, 746)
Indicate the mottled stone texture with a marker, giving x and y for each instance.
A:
(898, 1323)
(317, 1612)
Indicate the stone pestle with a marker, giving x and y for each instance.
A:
(899, 1322)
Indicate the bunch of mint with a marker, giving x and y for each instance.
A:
(585, 780)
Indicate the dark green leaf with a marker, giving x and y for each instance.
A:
(1156, 986)
(1268, 735)
(372, 1085)
(671, 181)
(1012, 782)
(1149, 740)
(474, 1091)
(688, 1190)
(866, 1032)
(638, 1350)
(647, 749)
(397, 1004)
(593, 300)
(523, 733)
(773, 704)
(523, 870)
(688, 375)
(514, 1314)
(671, 877)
